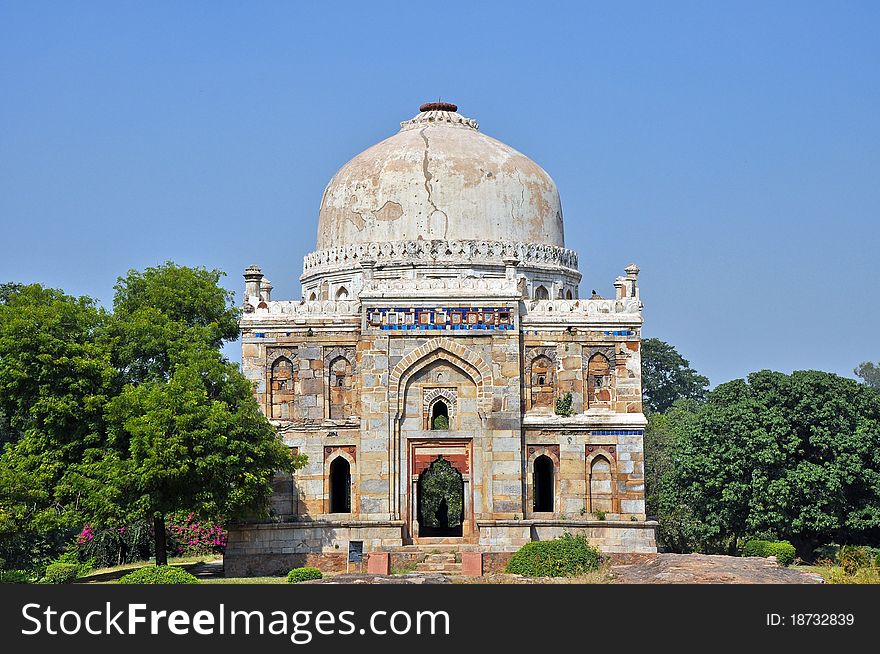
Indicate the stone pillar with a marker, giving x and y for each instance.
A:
(266, 290)
(632, 280)
(472, 564)
(253, 278)
(379, 563)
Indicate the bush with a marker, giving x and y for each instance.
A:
(303, 574)
(111, 546)
(188, 535)
(853, 558)
(781, 549)
(566, 556)
(61, 573)
(826, 554)
(159, 574)
(15, 577)
(563, 405)
(82, 567)
(441, 422)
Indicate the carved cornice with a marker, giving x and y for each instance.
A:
(438, 117)
(440, 252)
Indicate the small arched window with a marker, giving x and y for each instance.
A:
(542, 484)
(601, 490)
(340, 389)
(568, 295)
(340, 486)
(599, 379)
(439, 415)
(342, 293)
(282, 379)
(542, 382)
(312, 296)
(541, 293)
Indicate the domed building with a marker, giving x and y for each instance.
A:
(447, 382)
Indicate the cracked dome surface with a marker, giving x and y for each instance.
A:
(439, 177)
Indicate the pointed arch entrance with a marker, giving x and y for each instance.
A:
(440, 500)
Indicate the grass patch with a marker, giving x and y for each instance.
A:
(404, 568)
(245, 580)
(835, 574)
(113, 573)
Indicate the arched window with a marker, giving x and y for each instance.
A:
(542, 484)
(281, 388)
(312, 296)
(439, 415)
(541, 293)
(568, 295)
(340, 389)
(542, 382)
(340, 486)
(601, 491)
(598, 379)
(342, 293)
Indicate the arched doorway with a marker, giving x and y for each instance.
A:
(440, 500)
(543, 485)
(340, 486)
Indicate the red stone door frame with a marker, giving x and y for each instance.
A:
(421, 453)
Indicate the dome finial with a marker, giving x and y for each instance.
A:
(438, 106)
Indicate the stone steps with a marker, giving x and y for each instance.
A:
(442, 568)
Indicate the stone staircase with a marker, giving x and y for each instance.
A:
(440, 562)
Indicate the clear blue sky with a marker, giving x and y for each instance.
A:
(732, 150)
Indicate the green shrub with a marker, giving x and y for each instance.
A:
(159, 574)
(853, 558)
(826, 554)
(781, 549)
(61, 573)
(563, 405)
(600, 514)
(303, 574)
(15, 577)
(82, 567)
(441, 422)
(566, 556)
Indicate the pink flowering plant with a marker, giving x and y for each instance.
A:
(188, 535)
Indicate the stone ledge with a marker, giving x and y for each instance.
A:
(576, 524)
(313, 524)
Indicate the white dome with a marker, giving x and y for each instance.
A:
(440, 178)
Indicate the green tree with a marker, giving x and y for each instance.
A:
(186, 430)
(55, 379)
(165, 311)
(667, 376)
(793, 456)
(114, 419)
(869, 373)
(196, 442)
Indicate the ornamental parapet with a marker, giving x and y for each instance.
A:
(458, 287)
(588, 307)
(303, 308)
(441, 252)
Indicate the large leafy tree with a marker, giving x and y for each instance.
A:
(796, 456)
(186, 429)
(869, 373)
(196, 442)
(667, 376)
(55, 379)
(126, 416)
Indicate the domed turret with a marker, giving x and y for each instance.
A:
(440, 178)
